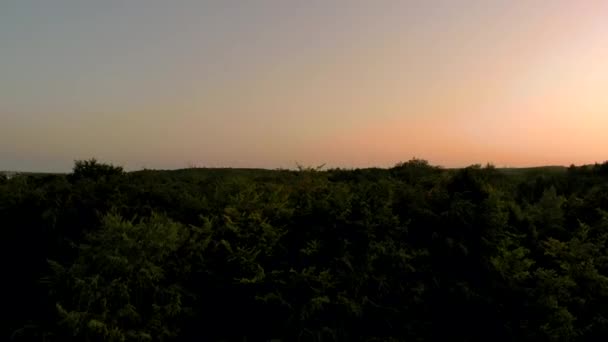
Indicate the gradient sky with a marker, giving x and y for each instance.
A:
(170, 84)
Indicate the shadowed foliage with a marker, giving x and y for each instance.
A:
(411, 253)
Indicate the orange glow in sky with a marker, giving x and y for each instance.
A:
(269, 84)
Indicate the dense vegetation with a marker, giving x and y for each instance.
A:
(411, 253)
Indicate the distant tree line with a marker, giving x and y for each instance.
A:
(411, 253)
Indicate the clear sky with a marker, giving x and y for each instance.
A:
(254, 83)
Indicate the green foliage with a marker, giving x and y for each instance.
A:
(410, 253)
(123, 285)
(93, 170)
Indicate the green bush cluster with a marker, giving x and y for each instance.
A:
(411, 253)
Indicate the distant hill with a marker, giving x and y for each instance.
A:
(11, 174)
(533, 170)
(222, 171)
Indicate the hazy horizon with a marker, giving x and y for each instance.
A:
(268, 84)
(294, 166)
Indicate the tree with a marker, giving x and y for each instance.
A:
(123, 285)
(94, 170)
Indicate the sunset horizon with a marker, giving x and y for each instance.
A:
(270, 84)
(309, 171)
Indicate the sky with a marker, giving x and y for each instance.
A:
(276, 83)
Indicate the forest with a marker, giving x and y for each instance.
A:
(414, 252)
